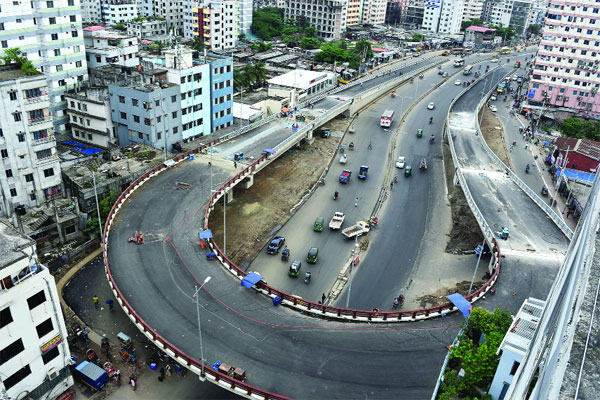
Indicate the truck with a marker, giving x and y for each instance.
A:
(91, 375)
(358, 229)
(459, 63)
(337, 220)
(500, 88)
(362, 173)
(345, 176)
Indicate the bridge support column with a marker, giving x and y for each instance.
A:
(229, 196)
(455, 180)
(310, 137)
(248, 182)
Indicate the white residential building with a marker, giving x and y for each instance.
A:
(147, 8)
(171, 10)
(90, 116)
(105, 47)
(473, 9)
(50, 33)
(119, 11)
(537, 13)
(507, 13)
(91, 11)
(30, 166)
(33, 335)
(244, 17)
(328, 17)
(147, 28)
(373, 12)
(443, 16)
(217, 24)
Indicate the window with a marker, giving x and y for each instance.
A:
(9, 173)
(50, 4)
(74, 34)
(17, 376)
(52, 20)
(56, 52)
(174, 114)
(140, 135)
(54, 36)
(514, 368)
(135, 102)
(5, 316)
(71, 3)
(12, 95)
(77, 64)
(44, 328)
(158, 119)
(36, 299)
(59, 68)
(70, 229)
(48, 172)
(158, 135)
(1, 26)
(21, 137)
(51, 355)
(173, 99)
(72, 18)
(123, 115)
(122, 99)
(175, 130)
(136, 118)
(4, 153)
(11, 350)
(13, 192)
(146, 122)
(4, 44)
(29, 178)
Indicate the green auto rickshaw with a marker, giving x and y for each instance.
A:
(419, 132)
(295, 269)
(313, 255)
(318, 226)
(407, 170)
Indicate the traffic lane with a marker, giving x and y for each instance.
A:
(379, 276)
(283, 357)
(334, 248)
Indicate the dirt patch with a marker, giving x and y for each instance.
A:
(256, 213)
(465, 233)
(491, 127)
(439, 297)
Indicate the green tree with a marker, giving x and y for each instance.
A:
(262, 47)
(364, 47)
(505, 33)
(197, 44)
(92, 228)
(267, 22)
(288, 39)
(120, 27)
(417, 37)
(577, 128)
(533, 29)
(472, 22)
(14, 55)
(107, 202)
(309, 43)
(330, 53)
(310, 31)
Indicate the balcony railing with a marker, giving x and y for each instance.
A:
(49, 138)
(37, 99)
(47, 159)
(39, 120)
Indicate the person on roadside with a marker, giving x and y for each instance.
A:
(356, 202)
(96, 302)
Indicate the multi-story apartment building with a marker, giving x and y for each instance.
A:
(244, 17)
(327, 16)
(194, 88)
(33, 335)
(50, 33)
(393, 13)
(413, 13)
(171, 10)
(147, 113)
(537, 12)
(443, 16)
(110, 47)
(373, 12)
(472, 9)
(354, 12)
(91, 11)
(221, 91)
(90, 116)
(512, 13)
(30, 166)
(565, 72)
(118, 11)
(216, 22)
(147, 28)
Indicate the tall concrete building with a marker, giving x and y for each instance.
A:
(91, 11)
(443, 16)
(373, 12)
(105, 47)
(50, 33)
(507, 13)
(30, 165)
(244, 17)
(413, 13)
(216, 23)
(171, 10)
(565, 74)
(327, 16)
(472, 9)
(354, 12)
(221, 91)
(119, 11)
(393, 12)
(33, 337)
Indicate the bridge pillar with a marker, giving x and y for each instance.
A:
(455, 180)
(248, 182)
(310, 137)
(229, 196)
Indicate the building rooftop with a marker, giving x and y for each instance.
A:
(94, 28)
(480, 29)
(89, 94)
(283, 59)
(523, 327)
(266, 56)
(298, 78)
(12, 244)
(11, 72)
(245, 111)
(586, 147)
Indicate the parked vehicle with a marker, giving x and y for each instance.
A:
(419, 132)
(358, 229)
(91, 375)
(362, 173)
(276, 244)
(318, 225)
(337, 220)
(325, 132)
(313, 255)
(345, 176)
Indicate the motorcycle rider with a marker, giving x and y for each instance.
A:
(307, 278)
(351, 145)
(527, 167)
(430, 120)
(335, 195)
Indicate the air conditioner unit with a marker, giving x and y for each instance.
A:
(52, 374)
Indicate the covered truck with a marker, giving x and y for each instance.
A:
(358, 229)
(337, 220)
(500, 88)
(91, 375)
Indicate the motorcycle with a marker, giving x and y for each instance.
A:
(430, 120)
(307, 278)
(527, 168)
(431, 138)
(351, 145)
(335, 195)
(398, 302)
(285, 254)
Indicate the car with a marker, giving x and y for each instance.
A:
(400, 162)
(495, 60)
(294, 270)
(440, 72)
(313, 255)
(493, 98)
(276, 245)
(445, 75)
(457, 82)
(514, 78)
(431, 106)
(416, 54)
(493, 108)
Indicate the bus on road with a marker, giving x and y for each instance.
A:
(459, 63)
(386, 118)
(468, 69)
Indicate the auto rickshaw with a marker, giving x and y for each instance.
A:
(285, 254)
(318, 226)
(407, 170)
(419, 132)
(124, 340)
(393, 93)
(294, 271)
(544, 191)
(313, 255)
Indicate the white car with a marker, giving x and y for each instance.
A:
(514, 78)
(493, 108)
(445, 75)
(431, 106)
(400, 162)
(493, 98)
(457, 82)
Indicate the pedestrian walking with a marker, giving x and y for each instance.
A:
(96, 302)
(511, 148)
(356, 202)
(162, 375)
(109, 302)
(569, 212)
(323, 297)
(370, 147)
(391, 184)
(235, 164)
(168, 369)
(526, 146)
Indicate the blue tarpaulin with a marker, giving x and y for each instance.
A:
(269, 151)
(577, 175)
(207, 234)
(91, 150)
(463, 304)
(251, 279)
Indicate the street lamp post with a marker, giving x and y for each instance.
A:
(355, 252)
(199, 327)
(476, 266)
(97, 206)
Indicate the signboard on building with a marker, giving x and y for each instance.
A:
(55, 341)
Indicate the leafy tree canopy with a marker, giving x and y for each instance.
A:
(578, 128)
(472, 22)
(267, 22)
(14, 55)
(533, 29)
(261, 47)
(309, 43)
